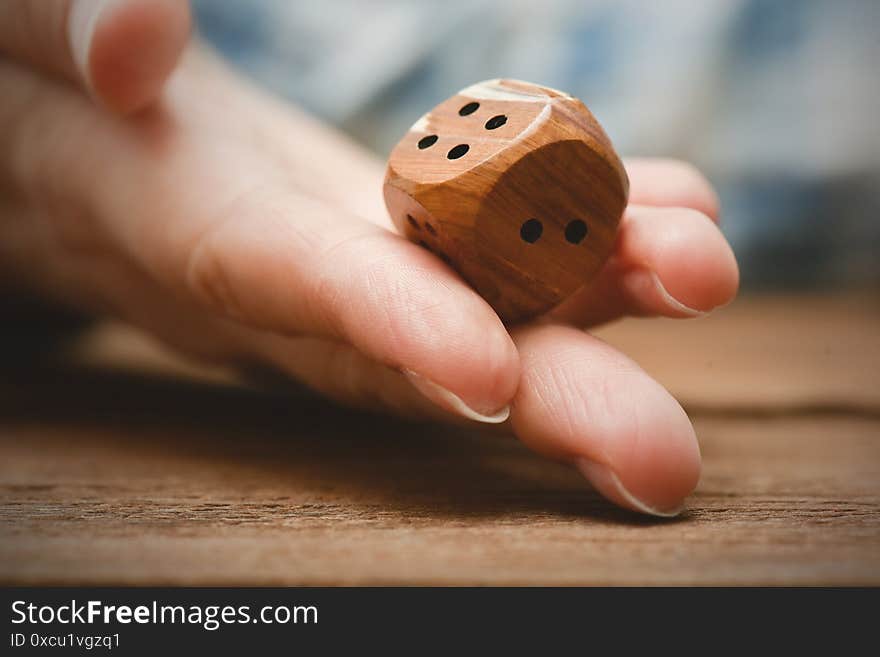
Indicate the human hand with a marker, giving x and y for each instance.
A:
(236, 229)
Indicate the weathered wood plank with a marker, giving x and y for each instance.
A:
(201, 485)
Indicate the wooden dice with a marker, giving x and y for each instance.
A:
(515, 186)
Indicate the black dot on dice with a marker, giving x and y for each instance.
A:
(576, 231)
(470, 108)
(531, 230)
(412, 222)
(431, 229)
(428, 141)
(496, 122)
(457, 151)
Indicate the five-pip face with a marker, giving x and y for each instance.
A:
(516, 186)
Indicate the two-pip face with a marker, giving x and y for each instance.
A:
(516, 186)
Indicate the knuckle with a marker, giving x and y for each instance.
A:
(235, 267)
(209, 276)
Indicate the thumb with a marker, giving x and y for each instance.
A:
(119, 51)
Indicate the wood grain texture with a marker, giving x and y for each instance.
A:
(112, 471)
(515, 186)
(766, 354)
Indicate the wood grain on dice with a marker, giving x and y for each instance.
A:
(515, 186)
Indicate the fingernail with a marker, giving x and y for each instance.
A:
(644, 283)
(81, 25)
(452, 402)
(606, 481)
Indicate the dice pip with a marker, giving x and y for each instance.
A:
(514, 185)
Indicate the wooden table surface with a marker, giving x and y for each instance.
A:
(121, 465)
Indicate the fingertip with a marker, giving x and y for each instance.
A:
(681, 264)
(451, 344)
(606, 482)
(652, 467)
(698, 267)
(133, 48)
(449, 401)
(667, 182)
(690, 185)
(582, 401)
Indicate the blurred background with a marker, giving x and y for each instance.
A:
(777, 101)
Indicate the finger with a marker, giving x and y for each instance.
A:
(672, 262)
(101, 283)
(665, 182)
(294, 266)
(119, 51)
(581, 401)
